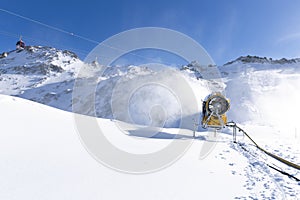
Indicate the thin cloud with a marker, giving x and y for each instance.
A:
(288, 38)
(226, 34)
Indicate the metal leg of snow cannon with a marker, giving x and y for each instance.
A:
(215, 133)
(234, 134)
(220, 120)
(207, 120)
(234, 127)
(196, 125)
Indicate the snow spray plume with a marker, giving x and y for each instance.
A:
(177, 105)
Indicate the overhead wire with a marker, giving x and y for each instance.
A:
(78, 51)
(49, 26)
(80, 36)
(44, 42)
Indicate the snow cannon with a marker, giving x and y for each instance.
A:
(214, 108)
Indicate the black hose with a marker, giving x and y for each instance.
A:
(233, 125)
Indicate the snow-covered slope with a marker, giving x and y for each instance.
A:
(41, 157)
(264, 91)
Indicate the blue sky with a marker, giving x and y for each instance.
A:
(226, 29)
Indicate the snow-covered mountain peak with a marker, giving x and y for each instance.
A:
(262, 60)
(32, 72)
(37, 60)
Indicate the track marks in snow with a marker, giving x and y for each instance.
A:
(260, 182)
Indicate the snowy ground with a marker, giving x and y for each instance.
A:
(41, 157)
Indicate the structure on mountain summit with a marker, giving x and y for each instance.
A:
(20, 44)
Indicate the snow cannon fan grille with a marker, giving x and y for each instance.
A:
(218, 105)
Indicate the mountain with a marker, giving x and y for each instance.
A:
(47, 75)
(41, 74)
(42, 155)
(262, 60)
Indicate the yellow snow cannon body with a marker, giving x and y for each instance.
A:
(214, 108)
